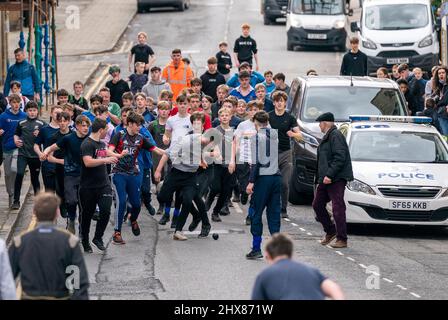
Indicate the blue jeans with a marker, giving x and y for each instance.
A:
(126, 187)
(443, 125)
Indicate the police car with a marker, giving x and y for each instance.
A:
(400, 166)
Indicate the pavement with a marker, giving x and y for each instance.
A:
(98, 32)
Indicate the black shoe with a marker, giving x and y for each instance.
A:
(165, 218)
(253, 255)
(87, 247)
(150, 209)
(205, 231)
(173, 223)
(216, 218)
(248, 221)
(244, 198)
(285, 215)
(225, 211)
(15, 205)
(96, 216)
(193, 225)
(135, 228)
(160, 210)
(99, 244)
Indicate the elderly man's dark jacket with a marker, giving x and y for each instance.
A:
(333, 158)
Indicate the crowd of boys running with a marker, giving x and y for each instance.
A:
(194, 138)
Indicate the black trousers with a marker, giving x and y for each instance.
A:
(243, 173)
(89, 198)
(222, 184)
(34, 165)
(59, 188)
(180, 182)
(49, 178)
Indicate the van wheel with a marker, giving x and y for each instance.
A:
(342, 48)
(289, 46)
(266, 20)
(181, 6)
(299, 198)
(141, 8)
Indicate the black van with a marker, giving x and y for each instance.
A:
(273, 9)
(146, 5)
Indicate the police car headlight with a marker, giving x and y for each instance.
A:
(358, 186)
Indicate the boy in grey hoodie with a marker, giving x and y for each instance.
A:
(155, 85)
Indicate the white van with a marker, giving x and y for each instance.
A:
(399, 31)
(317, 23)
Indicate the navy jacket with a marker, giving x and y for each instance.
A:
(25, 73)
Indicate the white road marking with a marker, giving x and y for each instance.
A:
(295, 225)
(415, 295)
(191, 51)
(362, 266)
(351, 259)
(301, 229)
(129, 48)
(339, 253)
(97, 84)
(286, 219)
(229, 14)
(401, 287)
(197, 232)
(328, 246)
(309, 233)
(388, 280)
(122, 47)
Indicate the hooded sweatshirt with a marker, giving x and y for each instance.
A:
(9, 122)
(152, 89)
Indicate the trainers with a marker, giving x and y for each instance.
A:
(165, 218)
(252, 255)
(99, 244)
(135, 228)
(327, 239)
(248, 221)
(160, 210)
(285, 215)
(117, 239)
(87, 247)
(216, 218)
(244, 198)
(15, 205)
(205, 231)
(193, 225)
(96, 216)
(225, 211)
(339, 244)
(71, 226)
(179, 236)
(173, 223)
(151, 210)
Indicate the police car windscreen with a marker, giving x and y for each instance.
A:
(397, 146)
(396, 16)
(346, 101)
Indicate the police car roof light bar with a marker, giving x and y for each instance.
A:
(403, 119)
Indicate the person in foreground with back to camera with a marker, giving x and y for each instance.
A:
(286, 279)
(46, 257)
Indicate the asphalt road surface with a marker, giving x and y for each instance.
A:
(382, 262)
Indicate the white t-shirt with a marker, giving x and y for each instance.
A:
(179, 127)
(244, 133)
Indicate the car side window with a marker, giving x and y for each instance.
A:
(294, 95)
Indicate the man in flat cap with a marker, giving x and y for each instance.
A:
(334, 169)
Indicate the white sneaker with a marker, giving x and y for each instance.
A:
(179, 236)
